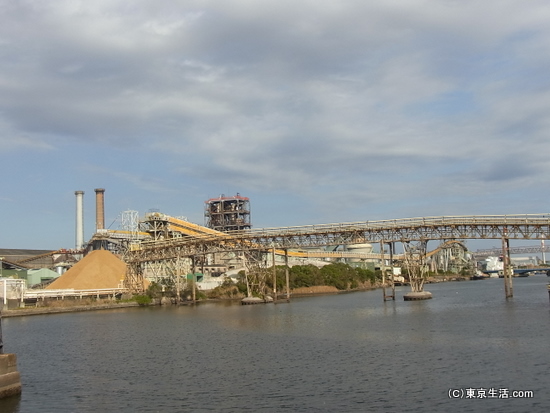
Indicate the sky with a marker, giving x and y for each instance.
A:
(318, 111)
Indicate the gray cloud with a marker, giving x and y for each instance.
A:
(374, 102)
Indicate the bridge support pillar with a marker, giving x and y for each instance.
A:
(392, 246)
(274, 275)
(134, 280)
(391, 285)
(508, 271)
(415, 259)
(287, 277)
(194, 279)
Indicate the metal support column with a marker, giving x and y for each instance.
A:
(287, 276)
(384, 272)
(415, 260)
(194, 278)
(508, 271)
(178, 279)
(274, 276)
(392, 245)
(246, 275)
(383, 269)
(1, 340)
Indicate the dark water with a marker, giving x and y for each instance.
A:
(334, 353)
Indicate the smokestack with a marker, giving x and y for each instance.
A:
(99, 209)
(79, 220)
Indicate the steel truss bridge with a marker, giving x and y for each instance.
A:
(174, 252)
(532, 249)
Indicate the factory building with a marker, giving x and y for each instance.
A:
(222, 214)
(22, 259)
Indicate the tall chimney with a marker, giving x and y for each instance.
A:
(99, 209)
(79, 220)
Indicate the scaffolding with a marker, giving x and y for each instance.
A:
(228, 213)
(130, 224)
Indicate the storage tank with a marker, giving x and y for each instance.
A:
(359, 249)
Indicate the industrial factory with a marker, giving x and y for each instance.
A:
(101, 265)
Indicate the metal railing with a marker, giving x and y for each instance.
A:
(71, 292)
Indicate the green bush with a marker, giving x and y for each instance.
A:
(143, 299)
(339, 275)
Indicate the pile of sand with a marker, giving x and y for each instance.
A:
(98, 269)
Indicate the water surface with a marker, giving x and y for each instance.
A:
(346, 353)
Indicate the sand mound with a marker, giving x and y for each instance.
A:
(98, 269)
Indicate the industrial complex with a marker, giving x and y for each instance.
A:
(86, 271)
(156, 247)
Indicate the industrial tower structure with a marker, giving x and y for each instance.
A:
(79, 220)
(227, 213)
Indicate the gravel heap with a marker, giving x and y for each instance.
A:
(98, 269)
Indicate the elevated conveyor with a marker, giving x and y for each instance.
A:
(173, 227)
(161, 226)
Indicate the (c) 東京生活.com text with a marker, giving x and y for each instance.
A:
(489, 393)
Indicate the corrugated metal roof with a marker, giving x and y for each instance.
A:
(20, 254)
(10, 258)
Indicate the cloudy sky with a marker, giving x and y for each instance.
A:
(318, 111)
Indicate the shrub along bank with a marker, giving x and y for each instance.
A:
(340, 276)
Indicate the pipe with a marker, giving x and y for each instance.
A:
(99, 208)
(79, 220)
(1, 309)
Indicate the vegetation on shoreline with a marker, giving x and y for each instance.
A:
(341, 276)
(303, 279)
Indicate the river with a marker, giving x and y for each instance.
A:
(333, 353)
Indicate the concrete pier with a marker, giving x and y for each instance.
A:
(256, 300)
(415, 296)
(10, 379)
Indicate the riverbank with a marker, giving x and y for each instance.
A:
(67, 309)
(323, 290)
(57, 307)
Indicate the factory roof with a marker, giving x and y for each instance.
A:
(23, 258)
(20, 254)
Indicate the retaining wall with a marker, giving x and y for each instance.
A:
(10, 380)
